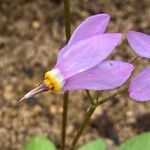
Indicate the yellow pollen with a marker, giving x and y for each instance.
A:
(52, 82)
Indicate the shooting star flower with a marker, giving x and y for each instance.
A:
(81, 63)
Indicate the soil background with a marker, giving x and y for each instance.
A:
(31, 34)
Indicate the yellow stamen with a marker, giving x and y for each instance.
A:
(53, 81)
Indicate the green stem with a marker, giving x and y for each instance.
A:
(85, 122)
(66, 95)
(67, 19)
(64, 119)
(97, 95)
(133, 59)
(90, 97)
(89, 114)
(107, 98)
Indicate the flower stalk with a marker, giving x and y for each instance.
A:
(64, 119)
(85, 122)
(66, 94)
(67, 19)
(90, 112)
(91, 99)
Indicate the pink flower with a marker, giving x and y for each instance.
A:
(81, 63)
(140, 85)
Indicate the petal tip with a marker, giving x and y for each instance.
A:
(107, 16)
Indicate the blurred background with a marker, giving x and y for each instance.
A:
(31, 34)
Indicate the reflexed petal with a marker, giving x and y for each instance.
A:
(91, 26)
(107, 75)
(140, 86)
(140, 43)
(88, 53)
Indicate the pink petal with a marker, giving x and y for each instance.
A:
(88, 53)
(140, 43)
(107, 75)
(140, 86)
(91, 26)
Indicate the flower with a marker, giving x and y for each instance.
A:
(81, 63)
(140, 85)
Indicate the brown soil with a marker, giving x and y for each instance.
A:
(31, 33)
